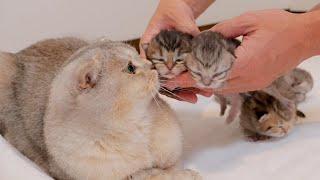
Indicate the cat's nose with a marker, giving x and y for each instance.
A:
(206, 81)
(170, 65)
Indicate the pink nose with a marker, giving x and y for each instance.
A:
(170, 66)
(206, 81)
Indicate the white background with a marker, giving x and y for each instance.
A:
(23, 22)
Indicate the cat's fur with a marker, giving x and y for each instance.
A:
(262, 116)
(211, 59)
(210, 63)
(89, 111)
(167, 52)
(295, 84)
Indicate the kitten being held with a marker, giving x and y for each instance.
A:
(210, 63)
(167, 52)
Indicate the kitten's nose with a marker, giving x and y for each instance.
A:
(170, 64)
(206, 81)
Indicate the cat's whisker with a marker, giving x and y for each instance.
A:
(156, 101)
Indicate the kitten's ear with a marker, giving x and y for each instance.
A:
(145, 46)
(186, 45)
(88, 73)
(264, 118)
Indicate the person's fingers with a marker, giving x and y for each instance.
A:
(182, 81)
(235, 85)
(202, 92)
(150, 32)
(237, 26)
(187, 96)
(189, 27)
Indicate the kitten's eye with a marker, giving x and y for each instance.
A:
(179, 60)
(195, 73)
(259, 114)
(131, 69)
(157, 59)
(269, 128)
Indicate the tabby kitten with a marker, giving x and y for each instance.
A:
(263, 116)
(210, 62)
(211, 58)
(167, 52)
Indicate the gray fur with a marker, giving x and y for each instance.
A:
(79, 111)
(35, 67)
(211, 58)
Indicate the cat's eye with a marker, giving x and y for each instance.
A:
(195, 73)
(259, 114)
(269, 128)
(131, 69)
(157, 59)
(179, 60)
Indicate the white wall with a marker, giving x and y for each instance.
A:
(23, 22)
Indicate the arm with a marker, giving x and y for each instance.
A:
(198, 7)
(317, 7)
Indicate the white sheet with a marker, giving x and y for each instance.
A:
(220, 152)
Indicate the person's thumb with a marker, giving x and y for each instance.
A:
(189, 27)
(237, 26)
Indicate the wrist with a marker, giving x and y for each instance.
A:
(198, 7)
(311, 28)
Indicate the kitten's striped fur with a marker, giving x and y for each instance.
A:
(211, 58)
(167, 52)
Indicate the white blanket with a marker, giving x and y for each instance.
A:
(220, 152)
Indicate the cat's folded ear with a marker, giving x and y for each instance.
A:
(89, 72)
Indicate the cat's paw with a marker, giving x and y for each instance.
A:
(188, 174)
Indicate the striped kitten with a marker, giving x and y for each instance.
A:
(263, 116)
(167, 52)
(209, 64)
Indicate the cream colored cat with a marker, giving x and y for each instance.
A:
(89, 113)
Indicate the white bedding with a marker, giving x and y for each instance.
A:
(220, 152)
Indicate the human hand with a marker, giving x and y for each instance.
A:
(184, 88)
(178, 15)
(274, 42)
(170, 14)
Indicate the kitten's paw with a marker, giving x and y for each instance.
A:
(287, 109)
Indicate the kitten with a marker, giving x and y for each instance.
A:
(89, 111)
(262, 116)
(211, 59)
(210, 62)
(295, 84)
(167, 52)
